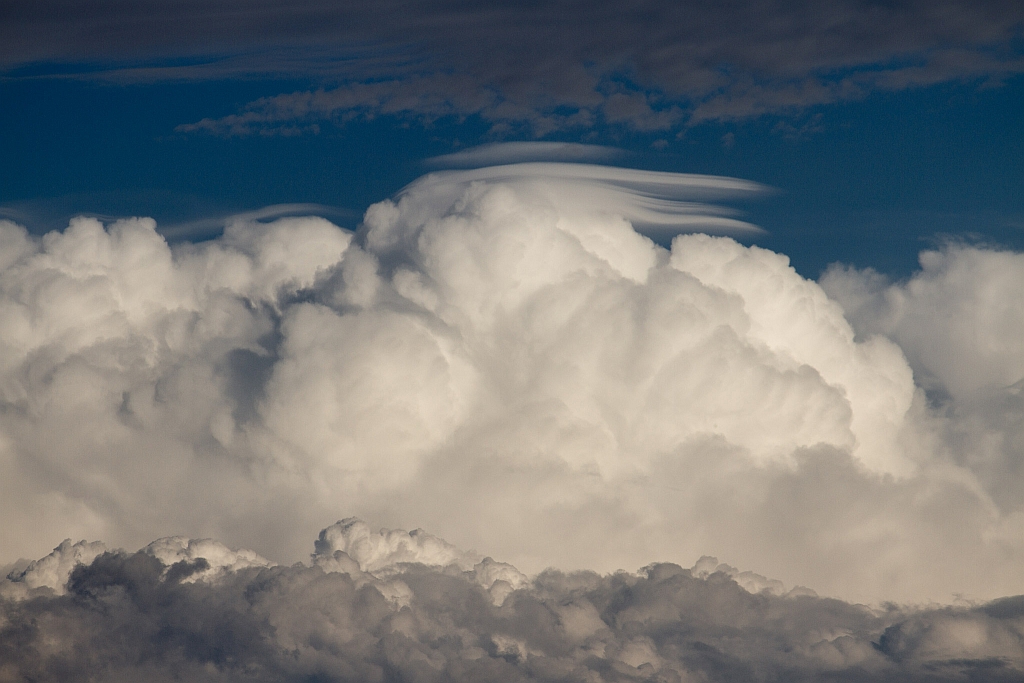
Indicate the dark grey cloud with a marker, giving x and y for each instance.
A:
(143, 616)
(648, 65)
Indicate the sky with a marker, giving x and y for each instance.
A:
(881, 125)
(628, 341)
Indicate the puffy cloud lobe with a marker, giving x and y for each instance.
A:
(217, 558)
(961, 324)
(137, 615)
(958, 319)
(796, 320)
(501, 359)
(50, 572)
(49, 575)
(350, 546)
(122, 361)
(374, 551)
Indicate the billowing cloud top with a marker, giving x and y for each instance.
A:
(499, 356)
(375, 551)
(651, 65)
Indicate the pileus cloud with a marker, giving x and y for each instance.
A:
(499, 356)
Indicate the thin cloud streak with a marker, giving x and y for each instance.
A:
(650, 66)
(504, 153)
(653, 201)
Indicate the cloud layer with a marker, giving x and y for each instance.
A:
(650, 66)
(395, 606)
(498, 356)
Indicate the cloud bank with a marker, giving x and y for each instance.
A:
(650, 66)
(395, 606)
(499, 356)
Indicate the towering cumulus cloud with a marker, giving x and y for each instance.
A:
(500, 357)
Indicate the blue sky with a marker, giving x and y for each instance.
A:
(868, 173)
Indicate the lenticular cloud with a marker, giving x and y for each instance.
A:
(500, 357)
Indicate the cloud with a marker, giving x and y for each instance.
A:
(653, 201)
(204, 227)
(647, 67)
(961, 327)
(374, 551)
(502, 153)
(427, 97)
(499, 356)
(50, 573)
(147, 615)
(956, 318)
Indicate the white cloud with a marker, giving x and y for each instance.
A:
(218, 558)
(378, 550)
(959, 319)
(653, 201)
(500, 357)
(960, 322)
(50, 572)
(350, 546)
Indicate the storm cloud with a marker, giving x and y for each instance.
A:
(495, 357)
(395, 606)
(649, 66)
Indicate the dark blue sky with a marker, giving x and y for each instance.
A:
(878, 150)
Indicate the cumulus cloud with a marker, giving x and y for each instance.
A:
(421, 615)
(649, 66)
(374, 551)
(499, 356)
(50, 572)
(956, 319)
(961, 325)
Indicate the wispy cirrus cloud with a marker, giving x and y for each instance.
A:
(501, 153)
(649, 66)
